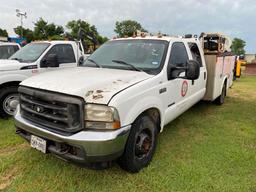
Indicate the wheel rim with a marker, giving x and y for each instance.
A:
(10, 103)
(144, 144)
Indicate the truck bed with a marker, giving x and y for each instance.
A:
(218, 67)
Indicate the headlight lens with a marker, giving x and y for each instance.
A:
(101, 117)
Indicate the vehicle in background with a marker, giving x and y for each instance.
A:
(240, 61)
(34, 58)
(22, 41)
(8, 49)
(115, 104)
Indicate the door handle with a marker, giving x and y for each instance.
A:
(204, 75)
(162, 90)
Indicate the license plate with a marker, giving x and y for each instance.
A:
(38, 143)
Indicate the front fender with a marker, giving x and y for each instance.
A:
(12, 77)
(129, 114)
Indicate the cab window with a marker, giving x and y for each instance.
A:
(7, 50)
(195, 53)
(15, 48)
(179, 56)
(64, 53)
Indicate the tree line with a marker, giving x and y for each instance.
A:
(43, 30)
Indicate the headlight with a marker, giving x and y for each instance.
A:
(101, 117)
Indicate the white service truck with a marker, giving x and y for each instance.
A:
(115, 104)
(8, 49)
(34, 58)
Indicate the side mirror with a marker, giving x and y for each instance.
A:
(50, 61)
(81, 61)
(193, 70)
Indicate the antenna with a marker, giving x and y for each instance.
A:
(21, 15)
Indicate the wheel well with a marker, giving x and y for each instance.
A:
(153, 113)
(8, 84)
(226, 83)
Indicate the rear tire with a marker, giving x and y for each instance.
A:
(221, 99)
(8, 101)
(140, 146)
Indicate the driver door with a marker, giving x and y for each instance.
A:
(177, 89)
(65, 55)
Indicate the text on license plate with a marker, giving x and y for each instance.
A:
(38, 143)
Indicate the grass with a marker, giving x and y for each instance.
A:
(208, 148)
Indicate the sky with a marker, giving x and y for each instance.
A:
(173, 17)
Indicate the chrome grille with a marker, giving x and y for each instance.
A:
(52, 110)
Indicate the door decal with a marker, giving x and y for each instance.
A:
(184, 88)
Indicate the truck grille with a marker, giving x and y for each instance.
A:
(56, 112)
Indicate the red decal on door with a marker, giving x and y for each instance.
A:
(34, 71)
(184, 88)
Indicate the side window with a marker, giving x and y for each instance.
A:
(16, 48)
(195, 53)
(7, 51)
(64, 53)
(178, 55)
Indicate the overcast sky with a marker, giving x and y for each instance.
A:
(233, 17)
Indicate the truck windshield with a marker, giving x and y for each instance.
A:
(138, 54)
(7, 50)
(30, 52)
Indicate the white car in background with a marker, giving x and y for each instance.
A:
(8, 49)
(34, 58)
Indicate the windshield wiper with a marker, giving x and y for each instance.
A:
(97, 64)
(128, 64)
(17, 59)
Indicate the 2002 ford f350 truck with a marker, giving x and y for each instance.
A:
(115, 104)
(34, 58)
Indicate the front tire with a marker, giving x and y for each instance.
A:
(9, 99)
(140, 146)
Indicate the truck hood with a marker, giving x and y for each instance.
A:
(94, 85)
(10, 65)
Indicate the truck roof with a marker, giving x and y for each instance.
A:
(55, 42)
(163, 38)
(8, 43)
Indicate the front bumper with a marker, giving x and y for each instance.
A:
(82, 147)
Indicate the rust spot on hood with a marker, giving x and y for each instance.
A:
(99, 91)
(88, 93)
(99, 96)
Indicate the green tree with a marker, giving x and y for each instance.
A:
(75, 25)
(3, 33)
(128, 28)
(238, 46)
(57, 37)
(53, 30)
(27, 33)
(102, 39)
(43, 30)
